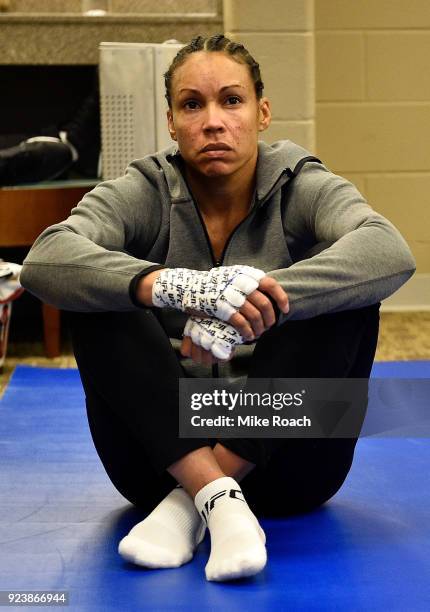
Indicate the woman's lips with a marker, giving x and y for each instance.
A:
(216, 147)
(216, 152)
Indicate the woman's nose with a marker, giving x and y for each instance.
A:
(213, 118)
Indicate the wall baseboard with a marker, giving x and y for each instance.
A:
(412, 296)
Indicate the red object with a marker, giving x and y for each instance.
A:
(5, 314)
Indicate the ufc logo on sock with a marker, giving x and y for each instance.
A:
(234, 493)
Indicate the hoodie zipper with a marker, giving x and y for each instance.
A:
(215, 366)
(221, 259)
(227, 243)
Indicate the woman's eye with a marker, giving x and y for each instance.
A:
(192, 104)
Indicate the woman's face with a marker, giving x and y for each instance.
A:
(215, 115)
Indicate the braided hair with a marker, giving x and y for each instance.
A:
(217, 42)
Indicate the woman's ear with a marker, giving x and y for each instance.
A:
(264, 114)
(171, 125)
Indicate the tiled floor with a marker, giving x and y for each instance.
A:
(403, 336)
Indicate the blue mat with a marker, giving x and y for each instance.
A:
(61, 520)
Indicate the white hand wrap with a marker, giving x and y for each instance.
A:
(213, 335)
(219, 293)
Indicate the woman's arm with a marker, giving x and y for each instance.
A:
(365, 260)
(81, 264)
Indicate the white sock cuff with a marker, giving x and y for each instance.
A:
(220, 487)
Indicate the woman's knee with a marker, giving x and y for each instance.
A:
(326, 346)
(120, 346)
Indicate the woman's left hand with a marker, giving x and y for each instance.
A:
(257, 315)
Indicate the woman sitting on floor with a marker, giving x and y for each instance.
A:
(220, 240)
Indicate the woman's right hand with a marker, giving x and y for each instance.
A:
(218, 292)
(144, 288)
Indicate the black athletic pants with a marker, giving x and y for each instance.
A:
(130, 373)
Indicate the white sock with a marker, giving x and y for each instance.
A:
(168, 536)
(237, 540)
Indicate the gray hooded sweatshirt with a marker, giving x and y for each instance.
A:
(311, 230)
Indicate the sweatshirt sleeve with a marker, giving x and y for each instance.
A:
(363, 258)
(82, 263)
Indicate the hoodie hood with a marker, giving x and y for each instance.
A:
(275, 164)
